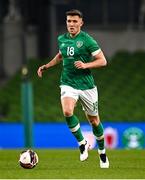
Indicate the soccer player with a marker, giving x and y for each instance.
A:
(79, 53)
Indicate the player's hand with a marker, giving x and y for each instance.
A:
(80, 65)
(41, 70)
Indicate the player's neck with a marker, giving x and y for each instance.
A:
(74, 35)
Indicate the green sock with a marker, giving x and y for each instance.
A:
(74, 126)
(98, 131)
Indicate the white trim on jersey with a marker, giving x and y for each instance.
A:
(96, 52)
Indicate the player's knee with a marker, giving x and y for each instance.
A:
(94, 121)
(68, 112)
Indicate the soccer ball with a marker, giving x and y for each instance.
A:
(28, 159)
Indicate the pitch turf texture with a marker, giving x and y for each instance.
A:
(65, 164)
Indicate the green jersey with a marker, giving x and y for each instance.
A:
(81, 47)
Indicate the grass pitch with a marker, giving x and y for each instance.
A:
(65, 164)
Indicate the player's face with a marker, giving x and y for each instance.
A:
(74, 24)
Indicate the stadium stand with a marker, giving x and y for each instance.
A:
(120, 84)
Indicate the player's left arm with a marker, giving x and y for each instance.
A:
(99, 60)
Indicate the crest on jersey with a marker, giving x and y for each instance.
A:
(79, 44)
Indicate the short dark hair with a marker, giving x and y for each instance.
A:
(74, 12)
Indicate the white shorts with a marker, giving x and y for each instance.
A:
(88, 98)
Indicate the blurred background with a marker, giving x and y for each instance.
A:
(30, 111)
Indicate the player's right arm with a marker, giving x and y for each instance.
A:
(53, 62)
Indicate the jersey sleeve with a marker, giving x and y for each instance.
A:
(92, 46)
(59, 41)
